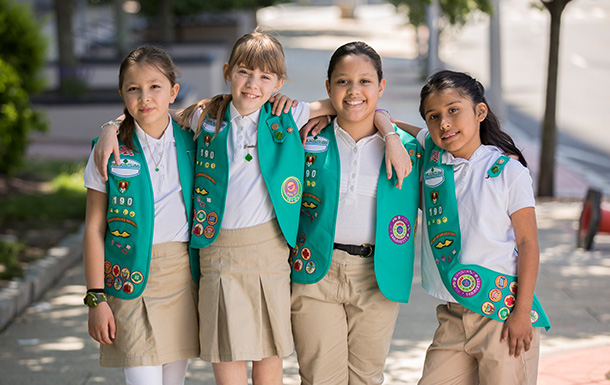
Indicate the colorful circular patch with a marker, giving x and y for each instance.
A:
(501, 282)
(291, 189)
(209, 231)
(310, 268)
(534, 316)
(116, 270)
(503, 313)
(197, 230)
(298, 265)
(466, 283)
(399, 229)
(488, 308)
(306, 253)
(128, 287)
(495, 295)
(301, 239)
(294, 251)
(200, 216)
(109, 280)
(212, 218)
(137, 277)
(509, 301)
(512, 287)
(107, 267)
(125, 273)
(117, 283)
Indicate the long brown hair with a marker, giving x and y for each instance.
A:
(155, 57)
(255, 50)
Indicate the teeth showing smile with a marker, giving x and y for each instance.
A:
(249, 96)
(354, 102)
(449, 136)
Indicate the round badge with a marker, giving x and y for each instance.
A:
(534, 316)
(294, 251)
(509, 301)
(128, 287)
(212, 218)
(208, 232)
(495, 295)
(109, 280)
(125, 274)
(107, 267)
(306, 253)
(117, 283)
(291, 189)
(513, 287)
(488, 308)
(503, 313)
(466, 283)
(137, 277)
(132, 214)
(501, 282)
(116, 270)
(197, 230)
(399, 229)
(411, 152)
(301, 239)
(200, 216)
(310, 268)
(298, 265)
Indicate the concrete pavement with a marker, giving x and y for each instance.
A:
(48, 343)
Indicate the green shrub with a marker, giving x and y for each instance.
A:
(17, 119)
(22, 44)
(10, 266)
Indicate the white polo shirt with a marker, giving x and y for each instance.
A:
(170, 212)
(248, 203)
(360, 165)
(484, 210)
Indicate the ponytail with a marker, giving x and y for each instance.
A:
(214, 107)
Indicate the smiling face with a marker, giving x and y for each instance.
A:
(354, 88)
(147, 94)
(454, 121)
(250, 89)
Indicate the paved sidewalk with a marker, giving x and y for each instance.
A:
(49, 344)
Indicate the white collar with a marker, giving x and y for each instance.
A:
(168, 133)
(234, 114)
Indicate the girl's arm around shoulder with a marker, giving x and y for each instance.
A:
(409, 128)
(107, 144)
(396, 156)
(518, 330)
(101, 320)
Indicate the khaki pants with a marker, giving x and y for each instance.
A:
(467, 350)
(342, 325)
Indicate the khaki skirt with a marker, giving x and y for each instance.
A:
(161, 325)
(244, 295)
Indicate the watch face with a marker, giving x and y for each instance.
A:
(93, 299)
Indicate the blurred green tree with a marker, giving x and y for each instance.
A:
(22, 57)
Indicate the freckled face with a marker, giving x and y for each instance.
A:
(454, 122)
(250, 89)
(147, 94)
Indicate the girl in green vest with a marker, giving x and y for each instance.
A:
(479, 239)
(353, 261)
(141, 281)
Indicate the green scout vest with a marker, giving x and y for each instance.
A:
(131, 215)
(395, 222)
(281, 162)
(477, 288)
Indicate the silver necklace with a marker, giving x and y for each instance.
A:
(151, 154)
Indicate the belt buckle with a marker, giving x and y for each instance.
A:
(370, 247)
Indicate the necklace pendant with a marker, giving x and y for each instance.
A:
(248, 157)
(157, 169)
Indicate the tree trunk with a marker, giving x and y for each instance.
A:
(122, 28)
(166, 17)
(546, 174)
(67, 63)
(433, 13)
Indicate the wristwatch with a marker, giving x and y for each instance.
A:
(93, 299)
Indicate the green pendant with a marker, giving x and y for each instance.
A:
(157, 169)
(248, 157)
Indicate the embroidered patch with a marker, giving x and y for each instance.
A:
(107, 267)
(495, 295)
(128, 287)
(512, 287)
(123, 150)
(116, 270)
(123, 234)
(122, 185)
(137, 277)
(212, 218)
(310, 268)
(503, 313)
(316, 144)
(399, 229)
(298, 265)
(209, 231)
(291, 189)
(466, 283)
(309, 160)
(306, 253)
(117, 284)
(434, 197)
(501, 282)
(125, 273)
(197, 230)
(127, 169)
(488, 308)
(434, 177)
(301, 239)
(109, 280)
(209, 125)
(201, 191)
(509, 301)
(534, 316)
